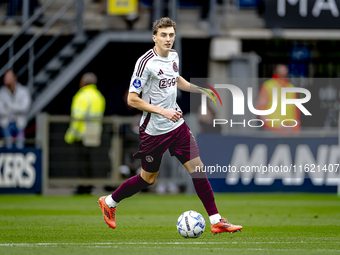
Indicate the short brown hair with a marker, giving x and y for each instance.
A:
(10, 71)
(163, 22)
(89, 78)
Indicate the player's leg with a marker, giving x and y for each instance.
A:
(205, 193)
(6, 133)
(203, 188)
(186, 150)
(130, 187)
(20, 139)
(151, 151)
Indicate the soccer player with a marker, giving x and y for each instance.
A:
(162, 127)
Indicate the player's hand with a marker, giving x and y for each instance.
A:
(171, 115)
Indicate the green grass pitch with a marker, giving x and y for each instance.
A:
(146, 224)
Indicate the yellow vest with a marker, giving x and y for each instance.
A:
(291, 110)
(88, 104)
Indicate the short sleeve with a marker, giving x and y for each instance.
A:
(139, 77)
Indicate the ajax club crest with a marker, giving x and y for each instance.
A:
(149, 158)
(174, 65)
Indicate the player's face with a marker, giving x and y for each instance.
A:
(164, 39)
(282, 71)
(10, 80)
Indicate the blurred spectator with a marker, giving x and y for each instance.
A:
(87, 110)
(15, 101)
(16, 5)
(204, 22)
(265, 100)
(12, 8)
(101, 3)
(204, 14)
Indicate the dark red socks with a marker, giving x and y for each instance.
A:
(129, 188)
(204, 192)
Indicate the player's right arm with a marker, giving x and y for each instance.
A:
(136, 102)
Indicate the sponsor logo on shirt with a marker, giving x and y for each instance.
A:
(167, 83)
(160, 72)
(137, 83)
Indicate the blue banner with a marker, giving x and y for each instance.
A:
(270, 164)
(317, 14)
(20, 171)
(248, 3)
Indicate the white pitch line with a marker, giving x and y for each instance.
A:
(145, 243)
(115, 245)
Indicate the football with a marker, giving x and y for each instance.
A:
(190, 224)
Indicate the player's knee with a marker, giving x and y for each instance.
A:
(195, 165)
(151, 180)
(197, 168)
(149, 177)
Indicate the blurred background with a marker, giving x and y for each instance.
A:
(51, 44)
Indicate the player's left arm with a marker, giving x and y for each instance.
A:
(184, 85)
